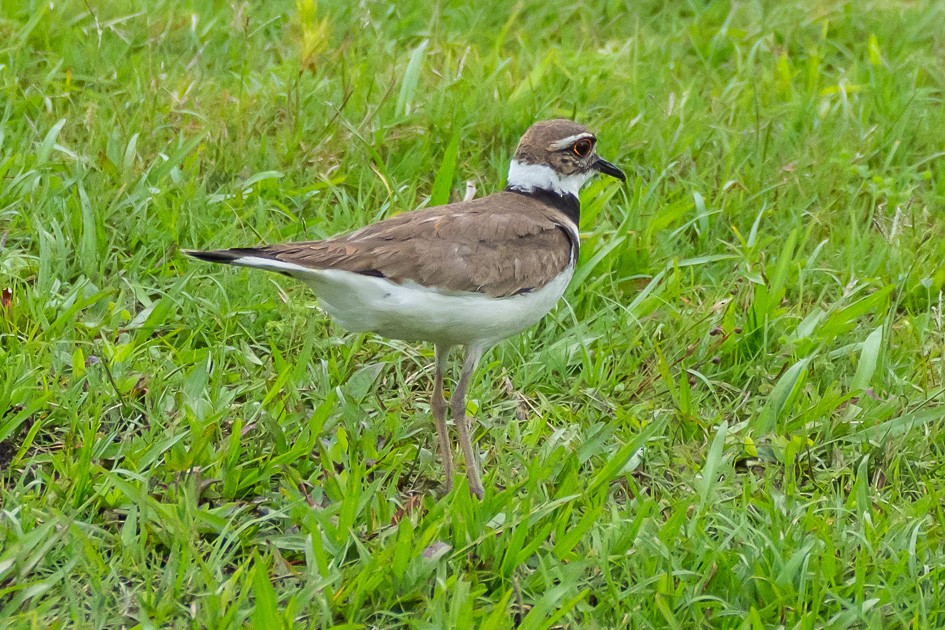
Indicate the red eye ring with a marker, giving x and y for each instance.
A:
(582, 148)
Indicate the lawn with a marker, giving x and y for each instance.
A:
(734, 419)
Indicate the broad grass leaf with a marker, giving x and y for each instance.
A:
(259, 177)
(266, 611)
(841, 321)
(49, 142)
(781, 397)
(161, 167)
(869, 357)
(896, 427)
(713, 462)
(411, 78)
(535, 77)
(541, 615)
(499, 617)
(440, 193)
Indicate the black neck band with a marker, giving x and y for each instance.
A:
(566, 204)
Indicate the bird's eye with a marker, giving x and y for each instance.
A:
(582, 148)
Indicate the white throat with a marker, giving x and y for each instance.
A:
(528, 177)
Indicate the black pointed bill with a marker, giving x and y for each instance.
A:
(607, 168)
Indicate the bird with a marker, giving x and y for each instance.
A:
(466, 274)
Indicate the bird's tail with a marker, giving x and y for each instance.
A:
(225, 256)
(255, 257)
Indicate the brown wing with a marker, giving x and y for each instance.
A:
(499, 245)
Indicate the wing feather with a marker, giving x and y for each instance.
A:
(501, 245)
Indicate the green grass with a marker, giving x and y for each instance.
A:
(760, 307)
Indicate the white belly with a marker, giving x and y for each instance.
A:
(415, 313)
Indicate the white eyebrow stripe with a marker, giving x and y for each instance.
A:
(564, 143)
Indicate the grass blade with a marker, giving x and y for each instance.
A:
(408, 86)
(869, 357)
(49, 142)
(440, 193)
(781, 397)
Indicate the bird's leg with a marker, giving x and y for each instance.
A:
(458, 402)
(438, 404)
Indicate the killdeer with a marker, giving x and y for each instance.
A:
(465, 274)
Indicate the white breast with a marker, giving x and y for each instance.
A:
(415, 313)
(412, 312)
